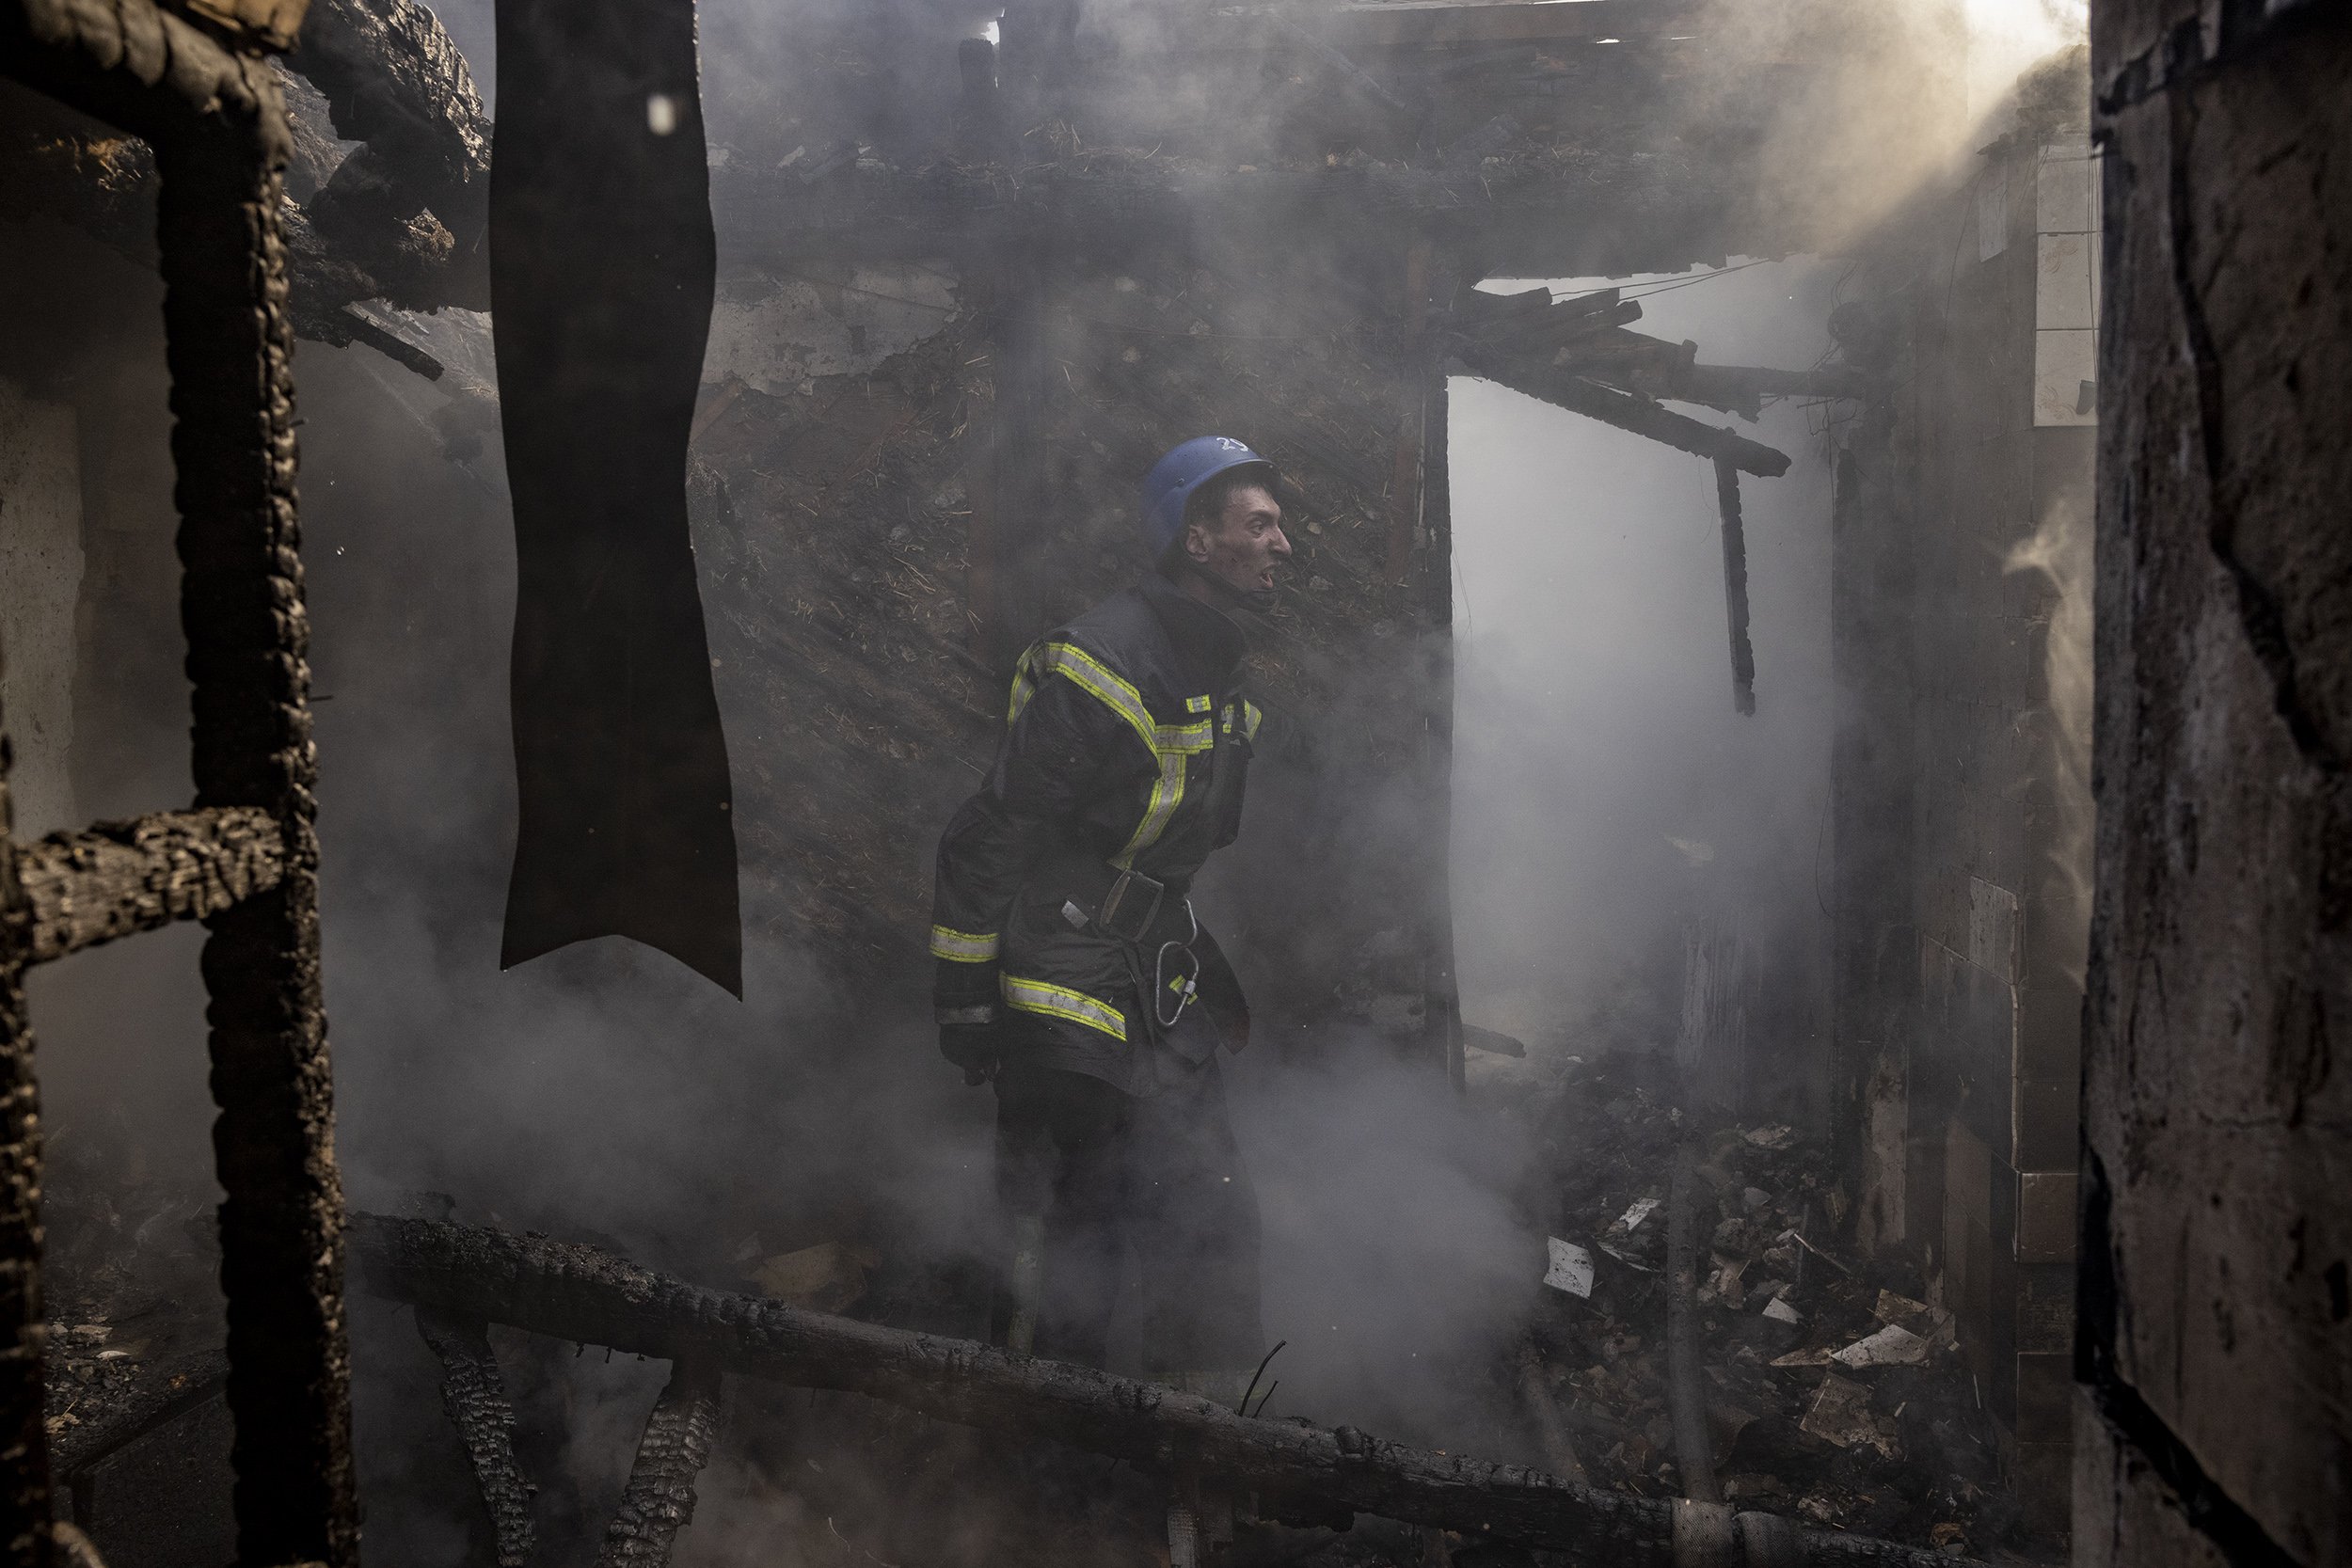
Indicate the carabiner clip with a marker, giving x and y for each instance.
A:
(1185, 987)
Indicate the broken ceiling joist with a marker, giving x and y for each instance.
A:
(411, 206)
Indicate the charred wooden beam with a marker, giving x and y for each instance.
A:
(658, 1499)
(411, 206)
(1632, 361)
(217, 124)
(577, 1292)
(1629, 411)
(229, 345)
(121, 878)
(1736, 586)
(473, 1392)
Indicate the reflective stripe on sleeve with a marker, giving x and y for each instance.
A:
(1041, 996)
(1170, 744)
(963, 948)
(1023, 689)
(1167, 791)
(1093, 676)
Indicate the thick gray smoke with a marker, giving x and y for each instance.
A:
(1606, 798)
(1606, 792)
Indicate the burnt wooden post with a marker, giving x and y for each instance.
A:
(214, 115)
(659, 1500)
(1736, 585)
(473, 1396)
(229, 348)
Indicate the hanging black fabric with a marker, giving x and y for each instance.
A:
(602, 264)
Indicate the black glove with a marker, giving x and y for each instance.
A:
(972, 1047)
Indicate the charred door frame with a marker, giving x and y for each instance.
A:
(246, 860)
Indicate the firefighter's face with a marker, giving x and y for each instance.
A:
(1245, 543)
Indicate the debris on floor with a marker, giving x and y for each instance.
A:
(1831, 1397)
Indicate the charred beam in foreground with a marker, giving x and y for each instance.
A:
(473, 1392)
(570, 1292)
(229, 344)
(119, 878)
(411, 205)
(659, 1497)
(217, 123)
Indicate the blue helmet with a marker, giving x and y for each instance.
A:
(1175, 477)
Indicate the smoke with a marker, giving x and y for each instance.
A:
(1607, 795)
(1606, 798)
(2007, 36)
(2057, 557)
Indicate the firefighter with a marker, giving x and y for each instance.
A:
(1073, 973)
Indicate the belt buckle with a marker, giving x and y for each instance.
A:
(1130, 906)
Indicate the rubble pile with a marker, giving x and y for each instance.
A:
(1832, 1395)
(134, 1310)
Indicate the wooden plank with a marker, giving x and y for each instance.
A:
(122, 878)
(659, 1500)
(570, 1292)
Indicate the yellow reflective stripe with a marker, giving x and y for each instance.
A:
(1167, 790)
(963, 948)
(1182, 738)
(1096, 678)
(1170, 744)
(1251, 719)
(1039, 996)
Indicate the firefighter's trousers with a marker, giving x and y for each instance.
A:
(1161, 1176)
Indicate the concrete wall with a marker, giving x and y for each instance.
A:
(1963, 813)
(2215, 1344)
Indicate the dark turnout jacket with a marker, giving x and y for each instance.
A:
(1126, 747)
